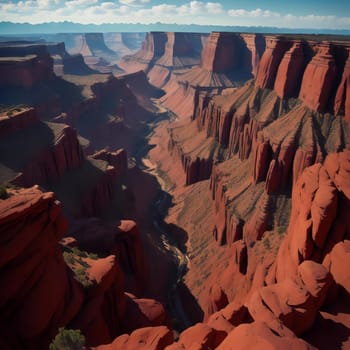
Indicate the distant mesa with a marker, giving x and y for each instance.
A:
(163, 53)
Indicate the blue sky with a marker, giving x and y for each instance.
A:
(333, 14)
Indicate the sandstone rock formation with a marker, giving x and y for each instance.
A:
(78, 289)
(33, 224)
(164, 53)
(124, 43)
(152, 49)
(149, 338)
(16, 120)
(318, 79)
(25, 65)
(266, 141)
(117, 159)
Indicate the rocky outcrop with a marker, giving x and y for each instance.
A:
(342, 99)
(182, 50)
(318, 219)
(318, 79)
(79, 290)
(221, 64)
(123, 240)
(124, 43)
(96, 198)
(221, 52)
(227, 60)
(26, 71)
(292, 67)
(247, 336)
(270, 61)
(197, 169)
(289, 72)
(93, 43)
(143, 313)
(116, 42)
(149, 338)
(33, 271)
(163, 53)
(139, 84)
(75, 64)
(117, 159)
(256, 47)
(49, 165)
(294, 301)
(152, 49)
(15, 120)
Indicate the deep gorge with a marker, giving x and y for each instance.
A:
(175, 190)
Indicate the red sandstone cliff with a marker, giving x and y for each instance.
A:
(342, 100)
(318, 79)
(163, 53)
(266, 142)
(274, 52)
(227, 60)
(33, 224)
(117, 159)
(26, 71)
(152, 49)
(49, 164)
(16, 120)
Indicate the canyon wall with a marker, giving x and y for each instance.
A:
(91, 299)
(27, 71)
(163, 53)
(17, 119)
(227, 61)
(267, 140)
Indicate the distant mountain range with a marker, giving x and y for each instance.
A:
(70, 27)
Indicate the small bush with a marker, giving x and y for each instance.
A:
(74, 258)
(69, 258)
(267, 244)
(68, 339)
(281, 230)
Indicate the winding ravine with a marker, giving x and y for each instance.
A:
(168, 243)
(180, 258)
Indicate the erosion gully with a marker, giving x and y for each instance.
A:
(168, 243)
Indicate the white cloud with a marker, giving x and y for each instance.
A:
(214, 7)
(260, 17)
(133, 2)
(109, 5)
(253, 13)
(80, 3)
(142, 11)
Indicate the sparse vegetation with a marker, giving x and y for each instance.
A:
(281, 230)
(68, 339)
(11, 110)
(74, 257)
(267, 244)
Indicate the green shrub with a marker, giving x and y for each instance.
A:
(281, 230)
(267, 244)
(74, 258)
(69, 258)
(68, 339)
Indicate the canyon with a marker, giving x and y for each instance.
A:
(175, 191)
